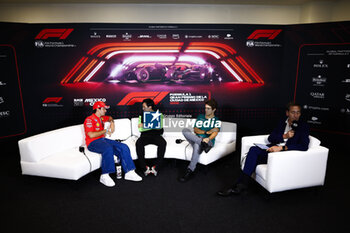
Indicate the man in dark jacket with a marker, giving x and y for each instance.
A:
(150, 136)
(290, 134)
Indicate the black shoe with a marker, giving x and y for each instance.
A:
(187, 175)
(235, 190)
(205, 146)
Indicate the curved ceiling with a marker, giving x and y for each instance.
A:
(243, 2)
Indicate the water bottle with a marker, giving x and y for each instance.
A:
(118, 169)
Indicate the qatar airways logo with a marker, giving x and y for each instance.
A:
(317, 95)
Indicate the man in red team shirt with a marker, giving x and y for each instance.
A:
(96, 142)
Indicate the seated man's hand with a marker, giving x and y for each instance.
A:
(206, 140)
(289, 134)
(274, 149)
(212, 131)
(109, 132)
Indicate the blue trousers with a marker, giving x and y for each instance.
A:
(108, 148)
(254, 157)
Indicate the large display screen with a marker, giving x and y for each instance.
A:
(251, 70)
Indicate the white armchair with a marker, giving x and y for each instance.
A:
(289, 169)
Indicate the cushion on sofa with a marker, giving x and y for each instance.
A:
(122, 129)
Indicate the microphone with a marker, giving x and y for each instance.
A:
(294, 125)
(178, 141)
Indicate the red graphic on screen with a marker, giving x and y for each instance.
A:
(162, 61)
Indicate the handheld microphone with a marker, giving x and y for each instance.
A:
(178, 141)
(294, 125)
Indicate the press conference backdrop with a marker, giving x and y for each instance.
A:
(52, 73)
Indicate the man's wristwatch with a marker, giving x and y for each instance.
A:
(284, 148)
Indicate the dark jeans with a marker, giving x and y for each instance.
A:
(254, 157)
(144, 140)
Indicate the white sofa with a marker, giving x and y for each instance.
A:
(56, 153)
(289, 169)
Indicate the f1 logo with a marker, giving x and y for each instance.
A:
(269, 34)
(60, 33)
(52, 99)
(152, 120)
(135, 97)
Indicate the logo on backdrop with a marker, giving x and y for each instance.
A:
(314, 120)
(264, 35)
(126, 36)
(347, 97)
(144, 36)
(260, 33)
(39, 44)
(175, 36)
(228, 36)
(318, 108)
(250, 43)
(54, 33)
(152, 120)
(135, 97)
(317, 95)
(95, 35)
(52, 102)
(80, 102)
(4, 114)
(214, 36)
(319, 81)
(2, 100)
(321, 64)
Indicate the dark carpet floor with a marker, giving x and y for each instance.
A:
(162, 204)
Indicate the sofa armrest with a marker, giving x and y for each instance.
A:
(295, 169)
(248, 141)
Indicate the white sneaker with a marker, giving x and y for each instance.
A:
(132, 175)
(148, 171)
(154, 171)
(107, 180)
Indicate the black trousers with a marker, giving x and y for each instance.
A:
(144, 140)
